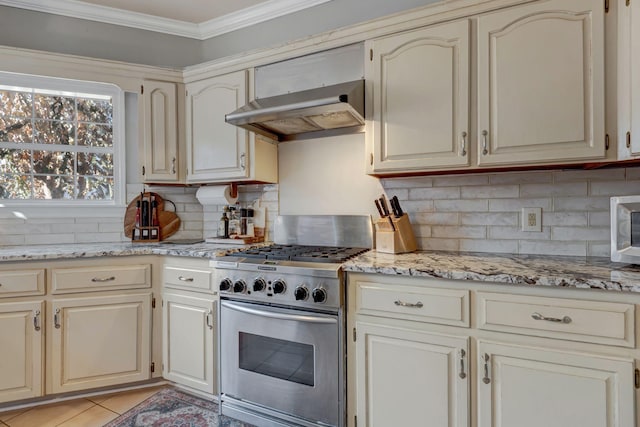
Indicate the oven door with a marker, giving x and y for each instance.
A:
(287, 360)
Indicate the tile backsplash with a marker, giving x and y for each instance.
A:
(470, 212)
(482, 212)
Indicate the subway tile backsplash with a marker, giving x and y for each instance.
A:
(482, 212)
(475, 212)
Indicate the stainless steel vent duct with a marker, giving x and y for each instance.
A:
(331, 110)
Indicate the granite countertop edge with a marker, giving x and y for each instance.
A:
(526, 270)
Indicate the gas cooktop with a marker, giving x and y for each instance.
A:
(303, 253)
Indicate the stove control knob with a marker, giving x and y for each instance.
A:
(279, 286)
(239, 287)
(225, 285)
(259, 285)
(319, 295)
(301, 293)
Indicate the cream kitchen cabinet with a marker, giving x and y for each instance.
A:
(161, 148)
(539, 79)
(189, 325)
(216, 150)
(541, 83)
(99, 341)
(21, 338)
(628, 83)
(424, 349)
(419, 114)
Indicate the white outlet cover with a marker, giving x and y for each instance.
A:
(531, 219)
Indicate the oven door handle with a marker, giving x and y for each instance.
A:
(275, 315)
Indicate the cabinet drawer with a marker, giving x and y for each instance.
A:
(444, 306)
(21, 283)
(104, 278)
(576, 320)
(187, 278)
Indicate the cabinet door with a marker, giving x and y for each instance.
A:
(189, 341)
(541, 83)
(21, 343)
(160, 140)
(216, 150)
(420, 91)
(99, 341)
(634, 135)
(533, 387)
(410, 378)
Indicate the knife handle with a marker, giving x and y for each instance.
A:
(379, 208)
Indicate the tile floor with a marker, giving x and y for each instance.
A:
(93, 411)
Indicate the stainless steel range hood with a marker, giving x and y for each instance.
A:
(326, 111)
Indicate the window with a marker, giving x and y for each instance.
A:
(59, 140)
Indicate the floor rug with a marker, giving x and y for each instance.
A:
(174, 408)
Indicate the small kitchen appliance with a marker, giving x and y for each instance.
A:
(282, 323)
(625, 229)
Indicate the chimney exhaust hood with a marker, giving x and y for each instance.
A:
(326, 111)
(311, 96)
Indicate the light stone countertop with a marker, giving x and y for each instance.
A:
(567, 272)
(90, 250)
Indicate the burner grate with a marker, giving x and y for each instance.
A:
(322, 254)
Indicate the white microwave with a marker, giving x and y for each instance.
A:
(625, 229)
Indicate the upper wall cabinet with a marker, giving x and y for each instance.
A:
(628, 81)
(217, 151)
(160, 156)
(418, 83)
(541, 83)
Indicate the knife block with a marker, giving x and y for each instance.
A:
(401, 240)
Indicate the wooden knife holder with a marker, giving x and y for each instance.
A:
(397, 239)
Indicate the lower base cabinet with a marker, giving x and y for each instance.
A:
(21, 350)
(99, 341)
(533, 387)
(410, 378)
(189, 340)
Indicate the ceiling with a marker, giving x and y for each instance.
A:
(198, 19)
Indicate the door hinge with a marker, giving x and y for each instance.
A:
(141, 89)
(606, 142)
(354, 334)
(637, 378)
(153, 302)
(153, 366)
(370, 54)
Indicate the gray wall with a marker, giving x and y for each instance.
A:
(41, 31)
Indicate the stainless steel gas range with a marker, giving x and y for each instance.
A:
(282, 323)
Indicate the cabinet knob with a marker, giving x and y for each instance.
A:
(36, 320)
(538, 316)
(173, 166)
(463, 144)
(56, 319)
(485, 148)
(243, 163)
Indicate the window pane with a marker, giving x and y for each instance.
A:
(54, 132)
(53, 187)
(15, 104)
(95, 135)
(15, 187)
(100, 164)
(15, 161)
(90, 188)
(95, 110)
(15, 130)
(54, 107)
(53, 162)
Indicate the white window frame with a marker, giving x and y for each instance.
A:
(119, 161)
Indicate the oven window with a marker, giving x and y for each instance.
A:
(635, 229)
(286, 360)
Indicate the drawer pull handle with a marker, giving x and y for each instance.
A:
(408, 304)
(462, 373)
(56, 319)
(106, 279)
(538, 316)
(185, 279)
(209, 320)
(486, 378)
(36, 320)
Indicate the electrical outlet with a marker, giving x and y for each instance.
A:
(531, 219)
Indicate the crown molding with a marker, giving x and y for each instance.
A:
(215, 27)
